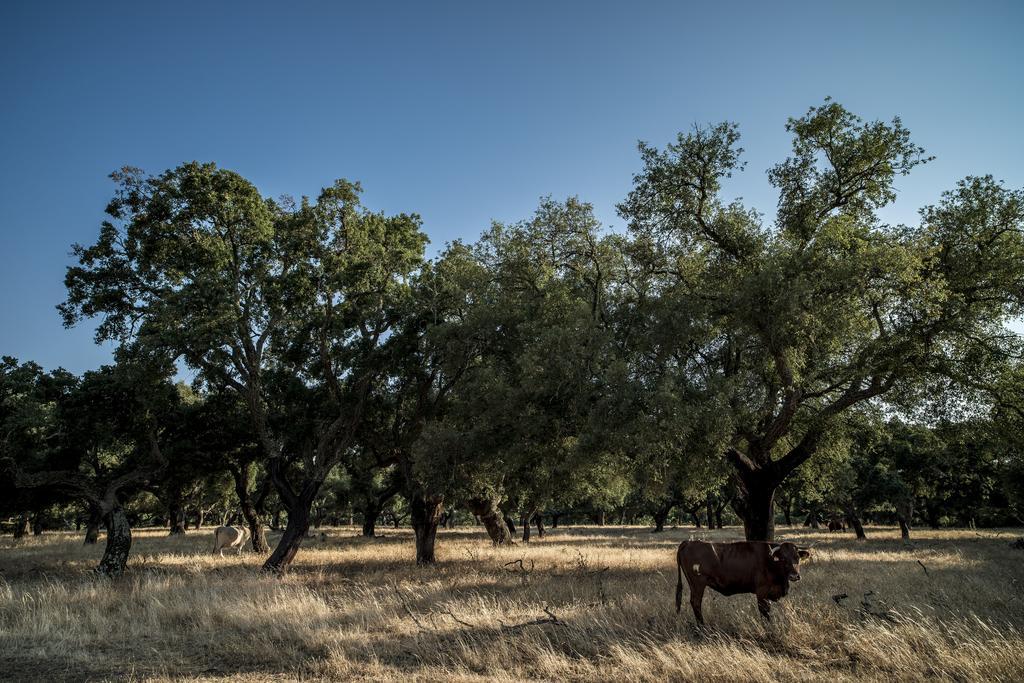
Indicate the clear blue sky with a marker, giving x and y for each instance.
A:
(462, 112)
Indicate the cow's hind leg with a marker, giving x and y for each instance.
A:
(696, 598)
(679, 588)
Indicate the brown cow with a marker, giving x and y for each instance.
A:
(836, 525)
(764, 569)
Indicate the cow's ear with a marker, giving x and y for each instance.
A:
(803, 553)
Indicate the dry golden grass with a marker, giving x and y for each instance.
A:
(356, 608)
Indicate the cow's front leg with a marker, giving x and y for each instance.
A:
(764, 607)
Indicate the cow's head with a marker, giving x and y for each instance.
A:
(788, 556)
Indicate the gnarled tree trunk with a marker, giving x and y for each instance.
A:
(487, 510)
(256, 530)
(291, 539)
(258, 536)
(119, 543)
(425, 517)
(176, 514)
(757, 477)
(539, 519)
(853, 519)
(756, 507)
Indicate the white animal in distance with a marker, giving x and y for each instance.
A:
(229, 537)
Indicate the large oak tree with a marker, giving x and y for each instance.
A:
(290, 305)
(786, 325)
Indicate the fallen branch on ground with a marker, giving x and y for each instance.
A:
(516, 567)
(401, 598)
(457, 620)
(550, 619)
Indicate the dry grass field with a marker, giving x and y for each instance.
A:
(591, 604)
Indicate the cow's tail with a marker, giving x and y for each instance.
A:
(679, 585)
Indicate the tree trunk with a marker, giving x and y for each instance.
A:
(21, 529)
(291, 539)
(37, 524)
(119, 543)
(371, 510)
(176, 513)
(853, 519)
(275, 521)
(933, 516)
(256, 530)
(787, 511)
(92, 527)
(905, 515)
(200, 517)
(539, 519)
(554, 519)
(904, 528)
(756, 505)
(600, 517)
(660, 515)
(426, 515)
(524, 521)
(511, 524)
(487, 510)
(241, 474)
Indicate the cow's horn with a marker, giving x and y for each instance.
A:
(774, 550)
